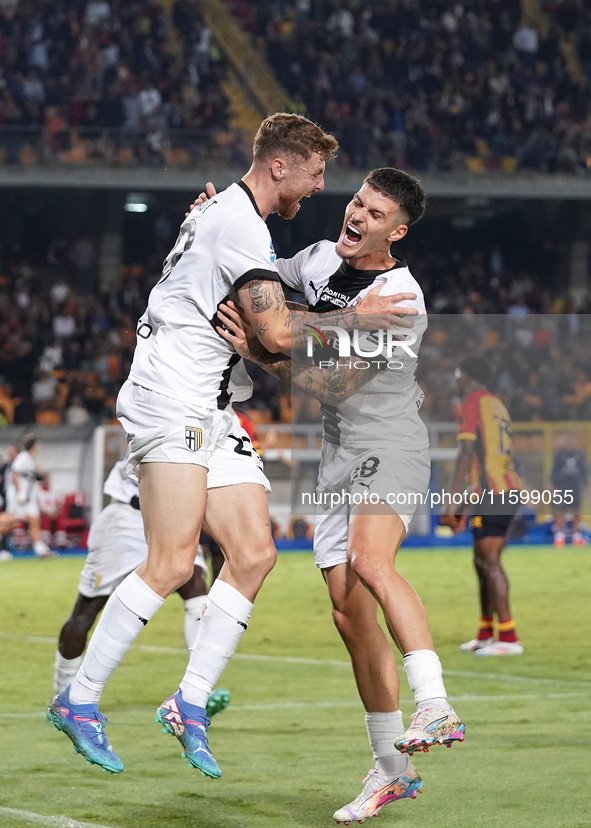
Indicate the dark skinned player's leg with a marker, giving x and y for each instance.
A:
(487, 558)
(488, 544)
(216, 556)
(74, 633)
(486, 602)
(494, 585)
(73, 637)
(194, 587)
(193, 593)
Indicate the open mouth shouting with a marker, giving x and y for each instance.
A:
(351, 236)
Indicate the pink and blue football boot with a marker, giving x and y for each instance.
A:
(85, 726)
(189, 724)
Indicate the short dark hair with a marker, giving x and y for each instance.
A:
(284, 132)
(477, 369)
(28, 441)
(403, 188)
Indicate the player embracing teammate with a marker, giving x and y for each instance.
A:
(374, 443)
(183, 433)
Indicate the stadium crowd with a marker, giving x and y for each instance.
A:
(433, 85)
(64, 354)
(541, 364)
(106, 79)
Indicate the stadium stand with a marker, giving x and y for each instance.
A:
(64, 355)
(476, 86)
(437, 86)
(109, 82)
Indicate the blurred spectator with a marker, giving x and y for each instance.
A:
(76, 413)
(104, 66)
(64, 324)
(44, 388)
(438, 86)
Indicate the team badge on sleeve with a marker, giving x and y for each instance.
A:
(193, 438)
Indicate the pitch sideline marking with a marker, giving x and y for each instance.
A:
(466, 697)
(319, 662)
(59, 822)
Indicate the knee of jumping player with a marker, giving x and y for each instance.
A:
(366, 568)
(344, 623)
(252, 561)
(167, 575)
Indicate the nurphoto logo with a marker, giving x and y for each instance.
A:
(385, 342)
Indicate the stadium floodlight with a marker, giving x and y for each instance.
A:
(136, 203)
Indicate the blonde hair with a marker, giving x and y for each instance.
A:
(287, 134)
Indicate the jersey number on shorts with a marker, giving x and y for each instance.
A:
(364, 470)
(239, 447)
(181, 245)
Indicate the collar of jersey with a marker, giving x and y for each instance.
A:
(248, 192)
(349, 269)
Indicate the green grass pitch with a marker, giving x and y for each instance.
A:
(293, 746)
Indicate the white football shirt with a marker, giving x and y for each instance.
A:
(223, 244)
(24, 467)
(386, 407)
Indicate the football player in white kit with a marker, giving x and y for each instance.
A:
(21, 500)
(374, 442)
(116, 547)
(191, 457)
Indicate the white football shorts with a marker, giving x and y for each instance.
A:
(398, 477)
(164, 430)
(116, 547)
(22, 511)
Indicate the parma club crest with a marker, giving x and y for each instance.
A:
(193, 438)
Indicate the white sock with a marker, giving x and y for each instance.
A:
(382, 729)
(64, 671)
(125, 615)
(425, 677)
(193, 613)
(224, 621)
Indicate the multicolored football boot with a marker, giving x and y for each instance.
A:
(501, 648)
(476, 644)
(379, 791)
(217, 701)
(85, 726)
(189, 724)
(430, 726)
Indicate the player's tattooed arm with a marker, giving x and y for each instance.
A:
(290, 329)
(332, 384)
(259, 292)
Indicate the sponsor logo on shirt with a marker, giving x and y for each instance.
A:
(341, 300)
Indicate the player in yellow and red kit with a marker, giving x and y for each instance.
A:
(484, 458)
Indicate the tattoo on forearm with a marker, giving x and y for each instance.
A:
(260, 330)
(347, 318)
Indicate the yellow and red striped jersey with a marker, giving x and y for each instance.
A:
(482, 417)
